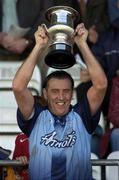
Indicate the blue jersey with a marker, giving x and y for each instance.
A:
(60, 148)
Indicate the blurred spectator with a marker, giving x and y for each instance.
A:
(114, 140)
(4, 155)
(21, 153)
(97, 15)
(106, 50)
(18, 22)
(113, 9)
(96, 139)
(71, 3)
(94, 14)
(110, 141)
(113, 114)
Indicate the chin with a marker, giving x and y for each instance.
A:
(61, 114)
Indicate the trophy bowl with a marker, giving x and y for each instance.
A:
(60, 49)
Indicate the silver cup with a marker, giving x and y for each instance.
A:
(60, 49)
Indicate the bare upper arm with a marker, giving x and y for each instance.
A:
(95, 98)
(25, 101)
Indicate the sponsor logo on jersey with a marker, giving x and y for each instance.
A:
(52, 141)
(22, 140)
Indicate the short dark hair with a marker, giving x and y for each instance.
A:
(58, 75)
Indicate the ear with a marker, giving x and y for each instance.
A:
(45, 93)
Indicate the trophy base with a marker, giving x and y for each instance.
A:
(60, 56)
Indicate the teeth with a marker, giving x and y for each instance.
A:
(60, 103)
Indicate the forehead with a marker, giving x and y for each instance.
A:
(59, 83)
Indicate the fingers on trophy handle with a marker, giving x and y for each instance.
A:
(45, 28)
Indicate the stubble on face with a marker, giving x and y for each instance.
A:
(59, 95)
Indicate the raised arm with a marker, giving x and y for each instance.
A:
(99, 82)
(22, 94)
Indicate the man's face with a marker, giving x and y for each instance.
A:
(58, 94)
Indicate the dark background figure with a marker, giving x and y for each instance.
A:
(106, 50)
(94, 14)
(4, 155)
(71, 3)
(29, 15)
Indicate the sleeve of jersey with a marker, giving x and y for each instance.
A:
(90, 122)
(27, 126)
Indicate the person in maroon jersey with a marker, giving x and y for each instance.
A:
(21, 153)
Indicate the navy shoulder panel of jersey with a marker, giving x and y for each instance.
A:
(27, 126)
(83, 109)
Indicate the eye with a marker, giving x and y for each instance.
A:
(66, 91)
(54, 91)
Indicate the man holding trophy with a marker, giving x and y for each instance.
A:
(59, 134)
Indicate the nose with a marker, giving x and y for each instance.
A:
(60, 96)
